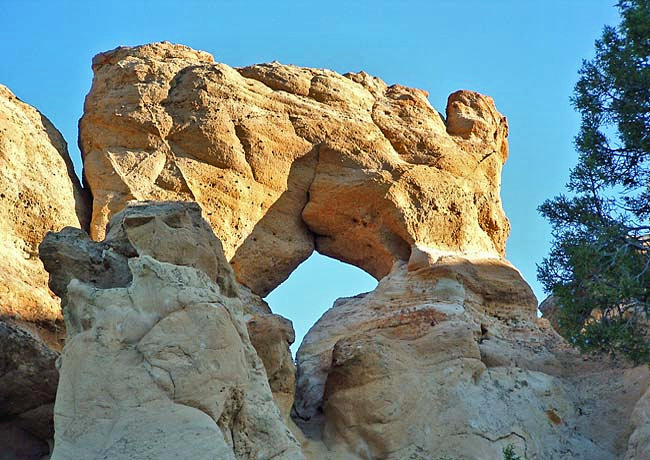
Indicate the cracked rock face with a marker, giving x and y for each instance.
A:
(284, 159)
(172, 353)
(157, 362)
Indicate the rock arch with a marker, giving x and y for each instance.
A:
(284, 160)
(446, 356)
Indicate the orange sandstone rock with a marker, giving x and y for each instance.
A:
(283, 159)
(39, 192)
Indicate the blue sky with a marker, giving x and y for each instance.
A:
(525, 54)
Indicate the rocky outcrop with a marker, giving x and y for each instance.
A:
(549, 310)
(158, 362)
(431, 365)
(39, 192)
(638, 446)
(447, 356)
(271, 335)
(172, 353)
(407, 304)
(28, 381)
(283, 159)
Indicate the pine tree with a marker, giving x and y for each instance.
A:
(598, 268)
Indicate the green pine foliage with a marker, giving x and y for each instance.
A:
(599, 265)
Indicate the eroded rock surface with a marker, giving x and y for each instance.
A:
(158, 362)
(169, 356)
(433, 364)
(271, 335)
(39, 192)
(28, 381)
(283, 159)
(639, 441)
(549, 310)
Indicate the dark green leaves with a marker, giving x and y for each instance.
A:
(599, 264)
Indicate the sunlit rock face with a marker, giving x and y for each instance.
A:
(283, 159)
(172, 353)
(444, 360)
(158, 362)
(38, 192)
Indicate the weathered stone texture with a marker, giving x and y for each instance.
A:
(434, 364)
(283, 159)
(172, 353)
(39, 192)
(158, 362)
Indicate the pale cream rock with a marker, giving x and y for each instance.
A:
(638, 446)
(434, 363)
(158, 362)
(271, 335)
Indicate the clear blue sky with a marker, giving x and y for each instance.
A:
(525, 54)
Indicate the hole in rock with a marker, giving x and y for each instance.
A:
(312, 289)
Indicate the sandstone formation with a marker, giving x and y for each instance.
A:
(271, 335)
(283, 159)
(638, 446)
(158, 362)
(549, 309)
(171, 351)
(431, 365)
(39, 192)
(446, 357)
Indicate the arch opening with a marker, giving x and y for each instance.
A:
(311, 290)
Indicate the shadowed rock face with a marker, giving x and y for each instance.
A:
(283, 159)
(28, 381)
(158, 362)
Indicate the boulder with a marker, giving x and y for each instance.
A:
(40, 192)
(271, 335)
(428, 366)
(158, 362)
(28, 381)
(549, 310)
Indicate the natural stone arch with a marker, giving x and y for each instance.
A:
(312, 288)
(455, 326)
(285, 159)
